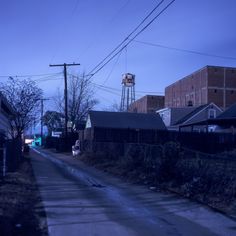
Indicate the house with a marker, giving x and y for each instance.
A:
(171, 115)
(224, 122)
(183, 117)
(215, 84)
(6, 112)
(147, 104)
(201, 113)
(122, 126)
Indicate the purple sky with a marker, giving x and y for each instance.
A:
(36, 33)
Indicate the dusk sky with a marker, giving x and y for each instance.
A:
(36, 33)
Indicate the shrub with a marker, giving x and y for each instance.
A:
(168, 161)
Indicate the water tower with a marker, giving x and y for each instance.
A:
(128, 92)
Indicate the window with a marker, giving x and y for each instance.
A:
(190, 103)
(215, 91)
(211, 113)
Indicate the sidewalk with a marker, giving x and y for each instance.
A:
(89, 198)
(74, 207)
(75, 164)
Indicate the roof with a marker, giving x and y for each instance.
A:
(229, 113)
(125, 120)
(216, 121)
(191, 114)
(176, 113)
(179, 113)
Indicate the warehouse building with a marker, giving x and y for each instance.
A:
(210, 84)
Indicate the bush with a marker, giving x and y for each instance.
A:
(168, 161)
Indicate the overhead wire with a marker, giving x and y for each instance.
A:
(112, 69)
(184, 50)
(108, 91)
(47, 78)
(127, 37)
(29, 75)
(119, 90)
(110, 56)
(130, 40)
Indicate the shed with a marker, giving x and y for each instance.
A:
(123, 126)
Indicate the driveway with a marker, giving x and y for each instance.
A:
(80, 200)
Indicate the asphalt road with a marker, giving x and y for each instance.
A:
(80, 200)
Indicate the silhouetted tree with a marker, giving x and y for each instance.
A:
(24, 97)
(80, 99)
(53, 120)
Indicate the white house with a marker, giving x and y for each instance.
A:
(6, 112)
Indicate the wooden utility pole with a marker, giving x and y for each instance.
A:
(65, 91)
(41, 123)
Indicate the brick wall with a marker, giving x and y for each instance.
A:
(209, 84)
(147, 104)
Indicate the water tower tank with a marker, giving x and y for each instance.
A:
(128, 79)
(128, 91)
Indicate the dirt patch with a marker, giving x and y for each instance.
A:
(21, 211)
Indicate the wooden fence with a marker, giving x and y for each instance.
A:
(205, 142)
(10, 155)
(61, 144)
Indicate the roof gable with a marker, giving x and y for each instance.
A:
(195, 112)
(125, 120)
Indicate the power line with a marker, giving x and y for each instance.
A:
(47, 79)
(33, 75)
(107, 90)
(113, 67)
(184, 50)
(102, 86)
(127, 37)
(119, 90)
(43, 79)
(130, 40)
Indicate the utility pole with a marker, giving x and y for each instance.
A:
(41, 123)
(65, 91)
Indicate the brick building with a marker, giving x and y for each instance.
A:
(210, 84)
(147, 104)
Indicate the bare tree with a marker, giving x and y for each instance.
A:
(24, 97)
(80, 98)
